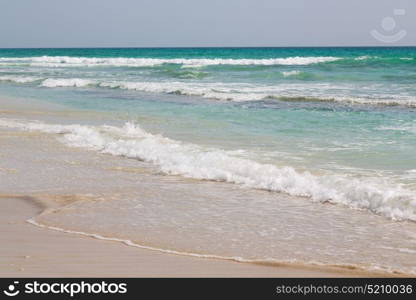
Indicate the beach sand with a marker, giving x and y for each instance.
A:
(36, 173)
(29, 251)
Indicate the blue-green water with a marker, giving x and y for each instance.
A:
(363, 75)
(347, 112)
(310, 125)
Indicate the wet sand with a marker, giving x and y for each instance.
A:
(30, 251)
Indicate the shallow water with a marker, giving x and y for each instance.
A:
(133, 201)
(301, 128)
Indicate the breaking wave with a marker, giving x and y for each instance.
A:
(239, 92)
(62, 61)
(317, 92)
(193, 161)
(19, 79)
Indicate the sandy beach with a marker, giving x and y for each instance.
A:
(30, 251)
(208, 140)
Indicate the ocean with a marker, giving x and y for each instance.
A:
(258, 142)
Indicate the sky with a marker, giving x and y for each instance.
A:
(205, 23)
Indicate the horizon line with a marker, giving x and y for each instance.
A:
(209, 47)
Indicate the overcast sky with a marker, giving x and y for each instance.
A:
(187, 23)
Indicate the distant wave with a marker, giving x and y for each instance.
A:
(183, 74)
(290, 73)
(408, 77)
(378, 60)
(19, 79)
(217, 91)
(69, 82)
(364, 57)
(224, 91)
(70, 61)
(232, 92)
(193, 161)
(300, 75)
(349, 100)
(62, 61)
(406, 127)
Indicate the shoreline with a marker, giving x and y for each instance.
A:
(25, 255)
(33, 251)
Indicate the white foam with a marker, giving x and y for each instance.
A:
(290, 73)
(245, 92)
(409, 127)
(364, 57)
(189, 160)
(219, 91)
(270, 261)
(62, 61)
(67, 82)
(19, 79)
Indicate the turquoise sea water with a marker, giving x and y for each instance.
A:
(348, 111)
(324, 125)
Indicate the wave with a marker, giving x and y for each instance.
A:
(69, 82)
(62, 61)
(184, 74)
(219, 91)
(193, 161)
(318, 92)
(19, 79)
(267, 262)
(406, 127)
(407, 77)
(364, 57)
(213, 90)
(411, 103)
(295, 74)
(290, 73)
(237, 92)
(377, 61)
(231, 63)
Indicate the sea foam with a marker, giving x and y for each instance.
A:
(290, 73)
(316, 92)
(62, 61)
(67, 82)
(193, 161)
(19, 79)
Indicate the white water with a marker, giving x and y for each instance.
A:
(19, 79)
(290, 73)
(245, 92)
(62, 61)
(193, 161)
(324, 92)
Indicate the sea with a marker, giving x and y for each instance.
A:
(271, 155)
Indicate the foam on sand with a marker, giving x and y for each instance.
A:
(193, 161)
